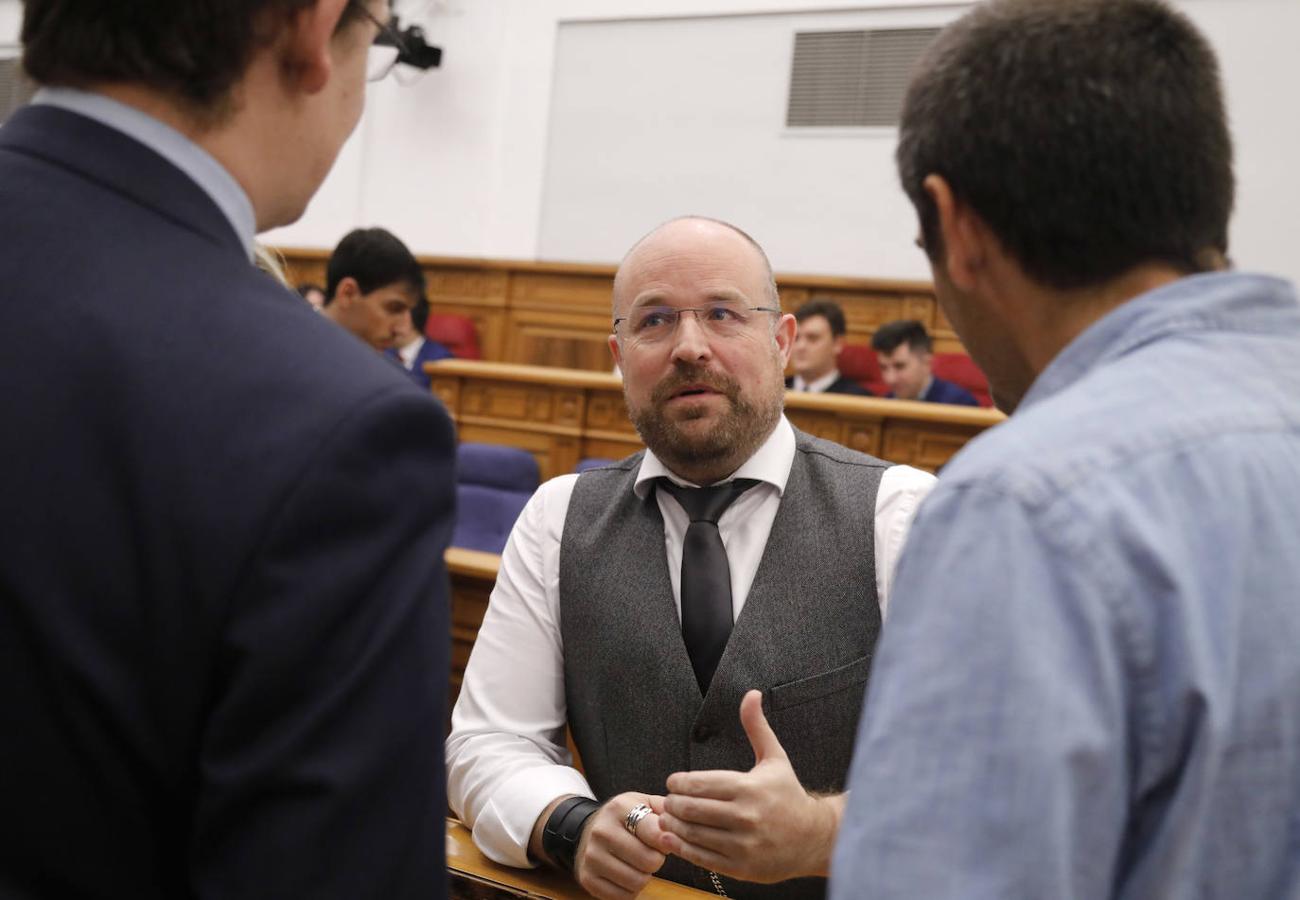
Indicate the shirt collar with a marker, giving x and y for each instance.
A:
(411, 351)
(770, 463)
(168, 143)
(1230, 301)
(816, 387)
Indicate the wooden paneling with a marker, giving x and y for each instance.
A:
(558, 314)
(563, 415)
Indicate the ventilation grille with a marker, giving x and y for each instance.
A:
(15, 88)
(852, 79)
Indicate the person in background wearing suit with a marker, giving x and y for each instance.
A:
(413, 349)
(644, 625)
(1090, 684)
(223, 626)
(817, 346)
(372, 282)
(904, 349)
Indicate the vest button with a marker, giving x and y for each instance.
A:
(703, 732)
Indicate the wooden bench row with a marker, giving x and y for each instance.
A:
(558, 314)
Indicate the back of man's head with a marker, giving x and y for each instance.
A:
(892, 335)
(195, 52)
(828, 310)
(373, 258)
(1089, 135)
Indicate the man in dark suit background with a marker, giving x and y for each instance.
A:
(817, 347)
(904, 350)
(223, 642)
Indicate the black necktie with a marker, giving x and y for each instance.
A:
(706, 578)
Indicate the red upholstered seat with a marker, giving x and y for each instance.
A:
(456, 333)
(858, 362)
(961, 369)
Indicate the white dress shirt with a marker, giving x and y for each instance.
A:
(506, 756)
(408, 353)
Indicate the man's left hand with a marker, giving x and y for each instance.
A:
(759, 825)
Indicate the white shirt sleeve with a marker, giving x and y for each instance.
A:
(902, 488)
(506, 756)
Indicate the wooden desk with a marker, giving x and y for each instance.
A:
(475, 877)
(564, 415)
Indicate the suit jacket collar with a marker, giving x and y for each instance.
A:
(119, 163)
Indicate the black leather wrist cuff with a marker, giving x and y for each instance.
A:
(563, 830)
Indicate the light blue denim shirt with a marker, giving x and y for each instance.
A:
(168, 143)
(1089, 684)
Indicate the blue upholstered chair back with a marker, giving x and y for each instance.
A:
(493, 484)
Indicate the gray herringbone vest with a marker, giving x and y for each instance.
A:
(804, 637)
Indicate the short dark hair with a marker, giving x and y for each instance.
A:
(892, 335)
(420, 314)
(1090, 135)
(828, 310)
(195, 51)
(374, 258)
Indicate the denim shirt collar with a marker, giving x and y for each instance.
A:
(1194, 303)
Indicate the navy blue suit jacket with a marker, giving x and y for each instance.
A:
(946, 392)
(223, 612)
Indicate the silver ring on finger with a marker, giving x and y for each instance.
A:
(634, 817)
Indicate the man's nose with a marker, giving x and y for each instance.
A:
(690, 339)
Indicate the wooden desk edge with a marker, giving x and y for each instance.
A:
(474, 563)
(465, 858)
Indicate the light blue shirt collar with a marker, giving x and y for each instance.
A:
(1210, 300)
(168, 143)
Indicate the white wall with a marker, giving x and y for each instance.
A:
(458, 164)
(475, 159)
(11, 20)
(688, 116)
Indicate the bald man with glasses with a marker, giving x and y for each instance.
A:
(735, 557)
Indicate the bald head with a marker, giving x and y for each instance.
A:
(693, 237)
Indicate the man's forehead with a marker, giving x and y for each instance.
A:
(710, 262)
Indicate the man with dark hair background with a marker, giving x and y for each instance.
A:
(904, 349)
(817, 346)
(372, 282)
(223, 635)
(1089, 686)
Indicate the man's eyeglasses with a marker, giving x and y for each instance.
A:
(386, 49)
(652, 324)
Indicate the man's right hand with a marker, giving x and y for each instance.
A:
(611, 862)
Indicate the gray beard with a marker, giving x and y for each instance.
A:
(734, 438)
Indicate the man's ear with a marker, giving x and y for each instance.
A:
(786, 328)
(347, 292)
(964, 235)
(616, 351)
(307, 44)
(838, 343)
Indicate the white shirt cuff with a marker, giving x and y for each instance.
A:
(504, 827)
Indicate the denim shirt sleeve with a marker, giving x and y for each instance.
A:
(992, 758)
